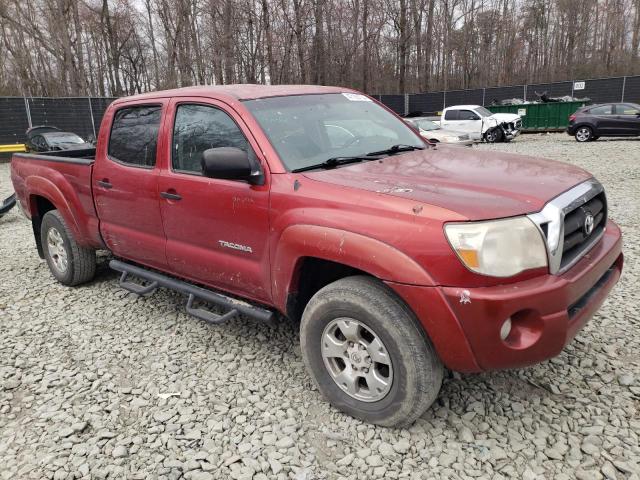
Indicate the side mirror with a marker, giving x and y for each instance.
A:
(230, 163)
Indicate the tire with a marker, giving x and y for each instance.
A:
(584, 134)
(365, 305)
(494, 135)
(69, 263)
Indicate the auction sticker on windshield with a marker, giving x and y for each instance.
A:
(356, 97)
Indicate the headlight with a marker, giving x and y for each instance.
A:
(500, 248)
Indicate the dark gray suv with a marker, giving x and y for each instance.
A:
(605, 120)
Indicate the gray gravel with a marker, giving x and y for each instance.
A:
(96, 383)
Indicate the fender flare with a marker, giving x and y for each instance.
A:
(348, 248)
(42, 187)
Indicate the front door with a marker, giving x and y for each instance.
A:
(125, 186)
(216, 229)
(628, 118)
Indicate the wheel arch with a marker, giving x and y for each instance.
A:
(39, 205)
(45, 195)
(308, 257)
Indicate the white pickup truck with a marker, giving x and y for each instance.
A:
(481, 124)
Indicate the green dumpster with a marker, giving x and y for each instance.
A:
(540, 117)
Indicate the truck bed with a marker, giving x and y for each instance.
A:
(61, 179)
(84, 156)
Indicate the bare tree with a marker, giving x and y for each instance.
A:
(117, 47)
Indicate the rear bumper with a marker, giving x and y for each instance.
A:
(571, 130)
(546, 312)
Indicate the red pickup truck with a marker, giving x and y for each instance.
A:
(397, 257)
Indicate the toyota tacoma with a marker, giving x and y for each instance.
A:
(398, 258)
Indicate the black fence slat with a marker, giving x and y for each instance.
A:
(632, 89)
(428, 103)
(13, 120)
(602, 90)
(394, 102)
(464, 97)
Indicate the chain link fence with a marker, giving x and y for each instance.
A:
(599, 90)
(82, 115)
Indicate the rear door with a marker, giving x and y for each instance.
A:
(125, 184)
(449, 119)
(467, 121)
(603, 119)
(628, 118)
(216, 229)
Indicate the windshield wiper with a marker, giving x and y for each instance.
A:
(336, 161)
(395, 149)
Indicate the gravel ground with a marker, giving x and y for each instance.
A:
(97, 383)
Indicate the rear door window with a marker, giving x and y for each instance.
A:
(134, 135)
(601, 110)
(451, 115)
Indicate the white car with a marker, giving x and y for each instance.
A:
(481, 124)
(435, 133)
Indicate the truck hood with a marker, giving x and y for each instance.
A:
(478, 185)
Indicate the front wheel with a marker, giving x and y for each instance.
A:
(70, 263)
(368, 354)
(495, 135)
(584, 134)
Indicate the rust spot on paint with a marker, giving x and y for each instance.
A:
(296, 185)
(417, 209)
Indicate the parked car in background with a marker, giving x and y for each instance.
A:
(481, 124)
(605, 120)
(48, 139)
(435, 133)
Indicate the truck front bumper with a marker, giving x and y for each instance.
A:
(545, 312)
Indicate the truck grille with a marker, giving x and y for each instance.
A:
(579, 230)
(572, 223)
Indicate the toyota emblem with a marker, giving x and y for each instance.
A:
(588, 224)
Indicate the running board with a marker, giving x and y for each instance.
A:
(156, 280)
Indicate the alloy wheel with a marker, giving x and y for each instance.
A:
(357, 360)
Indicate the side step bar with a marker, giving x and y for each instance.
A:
(157, 280)
(7, 204)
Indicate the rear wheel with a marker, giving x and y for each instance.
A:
(69, 263)
(367, 353)
(584, 134)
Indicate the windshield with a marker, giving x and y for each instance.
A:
(60, 138)
(425, 124)
(483, 112)
(309, 129)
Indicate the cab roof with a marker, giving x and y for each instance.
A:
(237, 92)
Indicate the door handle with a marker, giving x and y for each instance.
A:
(104, 183)
(170, 196)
